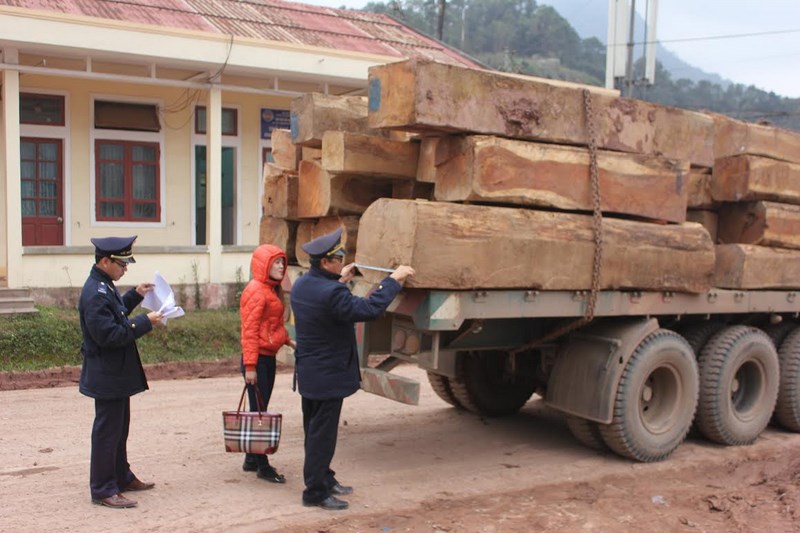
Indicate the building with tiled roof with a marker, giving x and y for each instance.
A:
(104, 111)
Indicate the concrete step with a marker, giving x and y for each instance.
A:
(16, 301)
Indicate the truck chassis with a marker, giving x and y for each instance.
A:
(634, 379)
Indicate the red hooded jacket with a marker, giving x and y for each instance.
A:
(261, 309)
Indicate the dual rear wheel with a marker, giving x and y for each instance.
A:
(490, 383)
(730, 389)
(733, 385)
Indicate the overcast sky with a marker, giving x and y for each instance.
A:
(755, 42)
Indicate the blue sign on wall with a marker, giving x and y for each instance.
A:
(271, 119)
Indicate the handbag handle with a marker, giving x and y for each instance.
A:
(259, 400)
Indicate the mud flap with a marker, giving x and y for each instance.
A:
(589, 365)
(392, 386)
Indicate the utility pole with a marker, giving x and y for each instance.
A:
(620, 47)
(464, 27)
(628, 88)
(440, 22)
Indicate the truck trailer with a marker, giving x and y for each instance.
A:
(633, 380)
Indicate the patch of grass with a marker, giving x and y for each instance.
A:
(52, 338)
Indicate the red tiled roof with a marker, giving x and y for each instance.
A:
(271, 20)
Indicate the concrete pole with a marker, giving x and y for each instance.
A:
(214, 184)
(11, 254)
(629, 63)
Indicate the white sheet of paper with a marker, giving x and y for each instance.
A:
(162, 299)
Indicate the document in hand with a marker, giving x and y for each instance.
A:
(162, 299)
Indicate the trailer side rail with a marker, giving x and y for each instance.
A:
(436, 310)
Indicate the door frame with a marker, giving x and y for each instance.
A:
(38, 131)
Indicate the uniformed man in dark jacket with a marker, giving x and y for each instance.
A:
(112, 371)
(326, 356)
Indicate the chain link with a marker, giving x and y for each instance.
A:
(597, 232)
(597, 217)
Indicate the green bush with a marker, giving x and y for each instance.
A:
(52, 338)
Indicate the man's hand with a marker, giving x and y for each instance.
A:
(250, 377)
(144, 288)
(401, 273)
(155, 317)
(293, 344)
(348, 272)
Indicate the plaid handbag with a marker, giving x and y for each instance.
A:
(256, 432)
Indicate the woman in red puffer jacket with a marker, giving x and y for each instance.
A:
(263, 334)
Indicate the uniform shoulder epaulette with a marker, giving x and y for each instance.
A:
(101, 288)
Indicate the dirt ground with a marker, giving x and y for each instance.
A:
(414, 468)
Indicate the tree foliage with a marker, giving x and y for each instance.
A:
(525, 37)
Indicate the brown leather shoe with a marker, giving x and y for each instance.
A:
(117, 501)
(138, 484)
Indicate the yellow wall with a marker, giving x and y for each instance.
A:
(3, 226)
(69, 266)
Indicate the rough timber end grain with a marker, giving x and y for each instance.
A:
(747, 266)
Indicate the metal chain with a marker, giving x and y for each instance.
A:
(597, 218)
(597, 231)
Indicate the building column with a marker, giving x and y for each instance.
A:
(214, 184)
(11, 214)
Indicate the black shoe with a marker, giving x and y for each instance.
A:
(269, 474)
(331, 503)
(341, 490)
(249, 466)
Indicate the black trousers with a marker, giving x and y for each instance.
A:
(265, 382)
(321, 426)
(110, 472)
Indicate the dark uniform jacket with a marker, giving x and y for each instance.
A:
(325, 312)
(111, 365)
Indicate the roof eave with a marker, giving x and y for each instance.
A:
(99, 38)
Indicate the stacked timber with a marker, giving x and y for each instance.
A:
(482, 180)
(756, 187)
(519, 147)
(328, 169)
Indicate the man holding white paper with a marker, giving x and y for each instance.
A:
(162, 299)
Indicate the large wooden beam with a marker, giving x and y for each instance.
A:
(427, 97)
(698, 183)
(763, 223)
(734, 137)
(285, 153)
(311, 229)
(506, 171)
(454, 246)
(314, 113)
(707, 218)
(426, 165)
(748, 177)
(356, 153)
(746, 266)
(323, 194)
(282, 233)
(280, 192)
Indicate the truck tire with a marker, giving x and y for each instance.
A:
(655, 400)
(787, 408)
(441, 386)
(697, 334)
(587, 432)
(778, 332)
(739, 380)
(487, 388)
